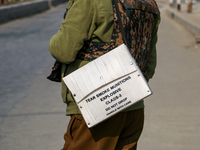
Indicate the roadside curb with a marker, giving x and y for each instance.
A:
(15, 11)
(191, 26)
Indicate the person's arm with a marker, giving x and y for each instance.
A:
(152, 60)
(75, 29)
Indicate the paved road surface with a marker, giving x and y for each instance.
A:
(32, 113)
(172, 113)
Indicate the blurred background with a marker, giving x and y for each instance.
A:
(32, 114)
(7, 2)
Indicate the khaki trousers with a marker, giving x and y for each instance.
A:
(120, 132)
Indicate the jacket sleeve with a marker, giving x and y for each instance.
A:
(74, 30)
(152, 60)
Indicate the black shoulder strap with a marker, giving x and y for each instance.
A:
(120, 21)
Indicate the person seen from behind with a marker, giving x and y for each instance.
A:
(89, 30)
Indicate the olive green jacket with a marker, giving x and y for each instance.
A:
(88, 20)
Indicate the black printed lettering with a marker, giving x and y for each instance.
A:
(120, 82)
(103, 92)
(90, 99)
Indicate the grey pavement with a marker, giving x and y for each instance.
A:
(32, 114)
(172, 119)
(36, 122)
(25, 9)
(190, 20)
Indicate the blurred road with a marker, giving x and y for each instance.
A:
(32, 114)
(24, 54)
(172, 113)
(31, 109)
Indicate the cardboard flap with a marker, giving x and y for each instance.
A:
(103, 70)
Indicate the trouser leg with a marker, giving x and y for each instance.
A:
(121, 132)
